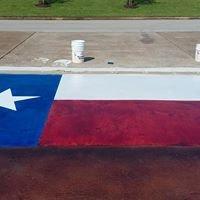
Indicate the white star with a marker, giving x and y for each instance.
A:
(7, 100)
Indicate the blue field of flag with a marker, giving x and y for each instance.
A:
(25, 101)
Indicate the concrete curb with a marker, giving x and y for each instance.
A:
(95, 18)
(84, 70)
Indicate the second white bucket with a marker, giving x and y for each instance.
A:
(78, 47)
(197, 57)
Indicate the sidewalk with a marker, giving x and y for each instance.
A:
(137, 51)
(96, 26)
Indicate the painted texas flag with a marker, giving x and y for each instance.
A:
(124, 110)
(99, 110)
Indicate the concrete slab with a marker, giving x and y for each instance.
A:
(186, 41)
(126, 50)
(10, 40)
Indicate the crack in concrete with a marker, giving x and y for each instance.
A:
(13, 48)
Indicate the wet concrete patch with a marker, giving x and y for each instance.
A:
(96, 173)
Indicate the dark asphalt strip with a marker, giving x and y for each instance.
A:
(100, 173)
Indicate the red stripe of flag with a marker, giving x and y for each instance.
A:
(122, 123)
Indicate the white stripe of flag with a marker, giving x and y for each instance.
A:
(129, 87)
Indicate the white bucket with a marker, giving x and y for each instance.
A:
(78, 47)
(197, 57)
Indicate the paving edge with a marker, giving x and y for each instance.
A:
(95, 18)
(113, 70)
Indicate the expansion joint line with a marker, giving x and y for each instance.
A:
(175, 45)
(12, 49)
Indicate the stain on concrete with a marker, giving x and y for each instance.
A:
(146, 38)
(100, 173)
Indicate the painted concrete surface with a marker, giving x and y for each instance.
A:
(122, 123)
(129, 87)
(7, 100)
(105, 170)
(25, 101)
(104, 174)
(124, 110)
(91, 110)
(126, 50)
(100, 25)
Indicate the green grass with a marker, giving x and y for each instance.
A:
(99, 8)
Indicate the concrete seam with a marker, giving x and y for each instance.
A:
(175, 45)
(13, 48)
(117, 70)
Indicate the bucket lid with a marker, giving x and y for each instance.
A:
(78, 41)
